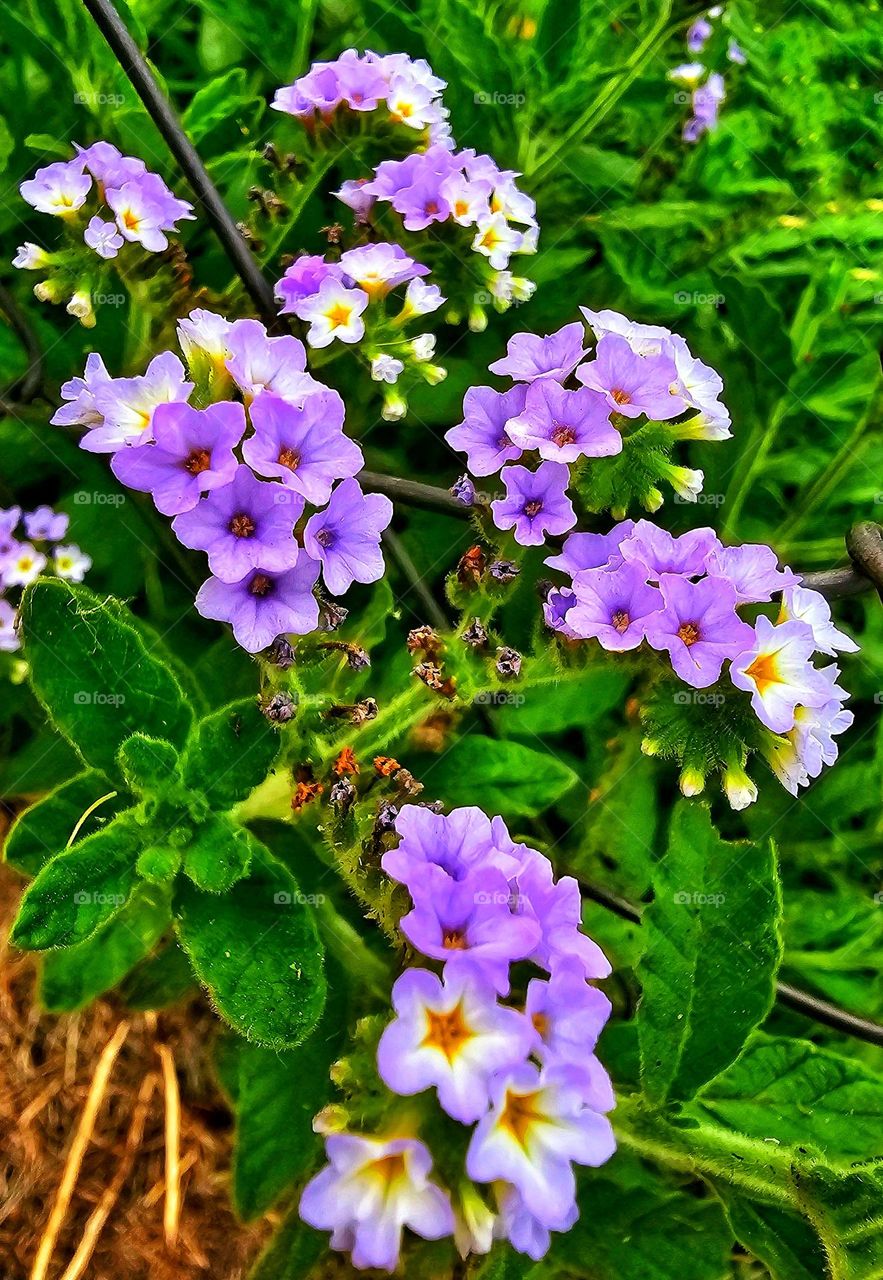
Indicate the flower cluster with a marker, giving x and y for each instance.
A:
(346, 301)
(405, 88)
(237, 474)
(707, 89)
(469, 190)
(519, 1067)
(683, 596)
(635, 371)
(23, 559)
(131, 205)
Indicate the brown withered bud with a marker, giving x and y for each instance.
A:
(434, 806)
(508, 662)
(471, 566)
(346, 762)
(386, 766)
(332, 233)
(426, 641)
(430, 674)
(270, 152)
(280, 653)
(364, 711)
(342, 796)
(305, 793)
(357, 658)
(386, 818)
(475, 635)
(504, 570)
(331, 615)
(280, 707)
(249, 236)
(407, 783)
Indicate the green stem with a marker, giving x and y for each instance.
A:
(825, 483)
(350, 949)
(752, 460)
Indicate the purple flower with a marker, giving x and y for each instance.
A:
(43, 524)
(591, 550)
(657, 551)
(464, 491)
(103, 237)
(9, 518)
(536, 503)
(353, 194)
(463, 841)
(538, 1125)
(345, 537)
(482, 434)
(469, 925)
(377, 268)
(644, 339)
(698, 626)
(22, 564)
(59, 188)
(453, 1036)
(556, 906)
(123, 408)
(632, 384)
(9, 641)
(752, 569)
(303, 445)
(191, 454)
(698, 34)
(422, 203)
(82, 410)
(568, 1015)
(518, 1225)
(528, 356)
(564, 425)
(245, 525)
(259, 363)
(264, 605)
(303, 279)
(775, 667)
(613, 606)
(556, 607)
(369, 1192)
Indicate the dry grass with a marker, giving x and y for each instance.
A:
(59, 1123)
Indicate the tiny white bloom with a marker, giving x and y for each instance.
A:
(385, 368)
(333, 312)
(423, 346)
(496, 240)
(24, 567)
(30, 257)
(71, 563)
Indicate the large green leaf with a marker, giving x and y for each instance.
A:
(292, 1251)
(712, 950)
(44, 829)
(219, 855)
(96, 675)
(257, 952)
(502, 777)
(783, 1241)
(231, 751)
(80, 889)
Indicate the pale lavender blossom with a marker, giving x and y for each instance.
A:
(632, 384)
(9, 641)
(556, 906)
(698, 627)
(591, 550)
(613, 606)
(657, 551)
(264, 605)
(536, 503)
(259, 363)
(345, 537)
(82, 411)
(461, 842)
(303, 279)
(104, 237)
(120, 410)
(302, 445)
(753, 570)
(379, 267)
(528, 356)
(60, 188)
(45, 524)
(562, 425)
(482, 434)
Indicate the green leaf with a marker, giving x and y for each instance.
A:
(160, 980)
(557, 701)
(92, 669)
(783, 1241)
(230, 753)
(501, 777)
(712, 951)
(817, 1097)
(219, 856)
(257, 952)
(80, 889)
(147, 764)
(44, 829)
(216, 102)
(292, 1251)
(69, 979)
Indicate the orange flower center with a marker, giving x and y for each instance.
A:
(448, 1032)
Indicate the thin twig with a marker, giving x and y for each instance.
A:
(25, 388)
(78, 1147)
(405, 564)
(414, 493)
(172, 1207)
(160, 110)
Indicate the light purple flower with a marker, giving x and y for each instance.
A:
(752, 568)
(303, 279)
(776, 668)
(9, 641)
(657, 551)
(82, 410)
(802, 605)
(538, 1125)
(568, 1015)
(556, 607)
(353, 194)
(536, 503)
(103, 237)
(377, 268)
(191, 454)
(613, 606)
(632, 384)
(698, 627)
(60, 188)
(452, 1035)
(564, 425)
(9, 518)
(518, 1225)
(264, 605)
(482, 434)
(735, 53)
(333, 312)
(460, 842)
(591, 550)
(258, 363)
(139, 219)
(556, 906)
(245, 525)
(528, 356)
(369, 1192)
(698, 34)
(124, 407)
(302, 445)
(469, 925)
(44, 524)
(644, 339)
(345, 537)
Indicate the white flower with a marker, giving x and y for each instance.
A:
(30, 257)
(71, 563)
(423, 346)
(739, 789)
(421, 299)
(496, 240)
(80, 306)
(469, 201)
(58, 189)
(333, 312)
(385, 368)
(204, 333)
(410, 103)
(644, 339)
(27, 564)
(804, 605)
(778, 673)
(686, 482)
(138, 218)
(688, 73)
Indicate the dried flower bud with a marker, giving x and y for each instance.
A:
(464, 491)
(280, 708)
(331, 615)
(475, 634)
(385, 821)
(281, 653)
(504, 570)
(508, 662)
(426, 641)
(471, 566)
(305, 793)
(346, 762)
(364, 711)
(386, 766)
(406, 781)
(430, 674)
(342, 796)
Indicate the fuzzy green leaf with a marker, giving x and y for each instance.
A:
(257, 952)
(712, 951)
(147, 764)
(230, 753)
(44, 829)
(219, 856)
(501, 777)
(94, 672)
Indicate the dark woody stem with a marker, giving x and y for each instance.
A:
(161, 112)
